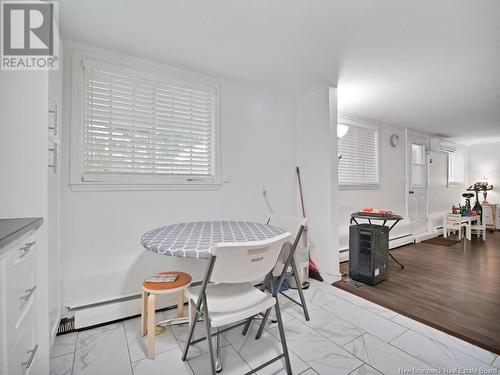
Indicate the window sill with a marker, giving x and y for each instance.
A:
(455, 184)
(359, 187)
(99, 186)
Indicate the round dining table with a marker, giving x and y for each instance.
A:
(197, 239)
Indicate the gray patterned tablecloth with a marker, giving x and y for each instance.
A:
(196, 239)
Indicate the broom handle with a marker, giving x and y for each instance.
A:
(305, 241)
(300, 191)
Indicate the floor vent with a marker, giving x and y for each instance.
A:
(67, 325)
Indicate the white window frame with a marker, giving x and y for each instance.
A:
(363, 124)
(140, 69)
(451, 182)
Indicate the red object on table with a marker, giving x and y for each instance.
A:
(385, 212)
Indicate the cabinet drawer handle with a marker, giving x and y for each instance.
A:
(54, 165)
(32, 354)
(29, 293)
(54, 126)
(26, 248)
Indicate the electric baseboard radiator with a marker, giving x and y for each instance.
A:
(115, 309)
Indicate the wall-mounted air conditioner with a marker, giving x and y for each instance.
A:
(442, 145)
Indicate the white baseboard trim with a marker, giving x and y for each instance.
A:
(87, 316)
(424, 236)
(401, 240)
(329, 278)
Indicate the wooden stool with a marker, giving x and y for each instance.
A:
(149, 292)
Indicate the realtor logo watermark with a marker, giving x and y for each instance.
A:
(27, 35)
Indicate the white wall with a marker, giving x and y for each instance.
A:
(392, 191)
(484, 161)
(23, 167)
(23, 143)
(317, 158)
(101, 254)
(441, 196)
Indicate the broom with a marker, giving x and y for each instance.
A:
(313, 268)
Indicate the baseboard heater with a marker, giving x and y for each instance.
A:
(394, 242)
(117, 308)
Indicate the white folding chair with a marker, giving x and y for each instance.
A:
(453, 222)
(298, 226)
(232, 298)
(286, 261)
(479, 229)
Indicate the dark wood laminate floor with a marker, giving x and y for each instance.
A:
(455, 289)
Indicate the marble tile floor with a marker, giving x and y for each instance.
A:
(346, 335)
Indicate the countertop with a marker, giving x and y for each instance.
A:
(12, 229)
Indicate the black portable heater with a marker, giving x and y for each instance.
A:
(368, 253)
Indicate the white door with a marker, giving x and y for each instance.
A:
(417, 183)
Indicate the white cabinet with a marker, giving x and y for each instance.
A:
(23, 194)
(21, 291)
(498, 218)
(23, 355)
(19, 308)
(490, 215)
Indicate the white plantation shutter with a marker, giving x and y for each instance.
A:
(136, 129)
(358, 165)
